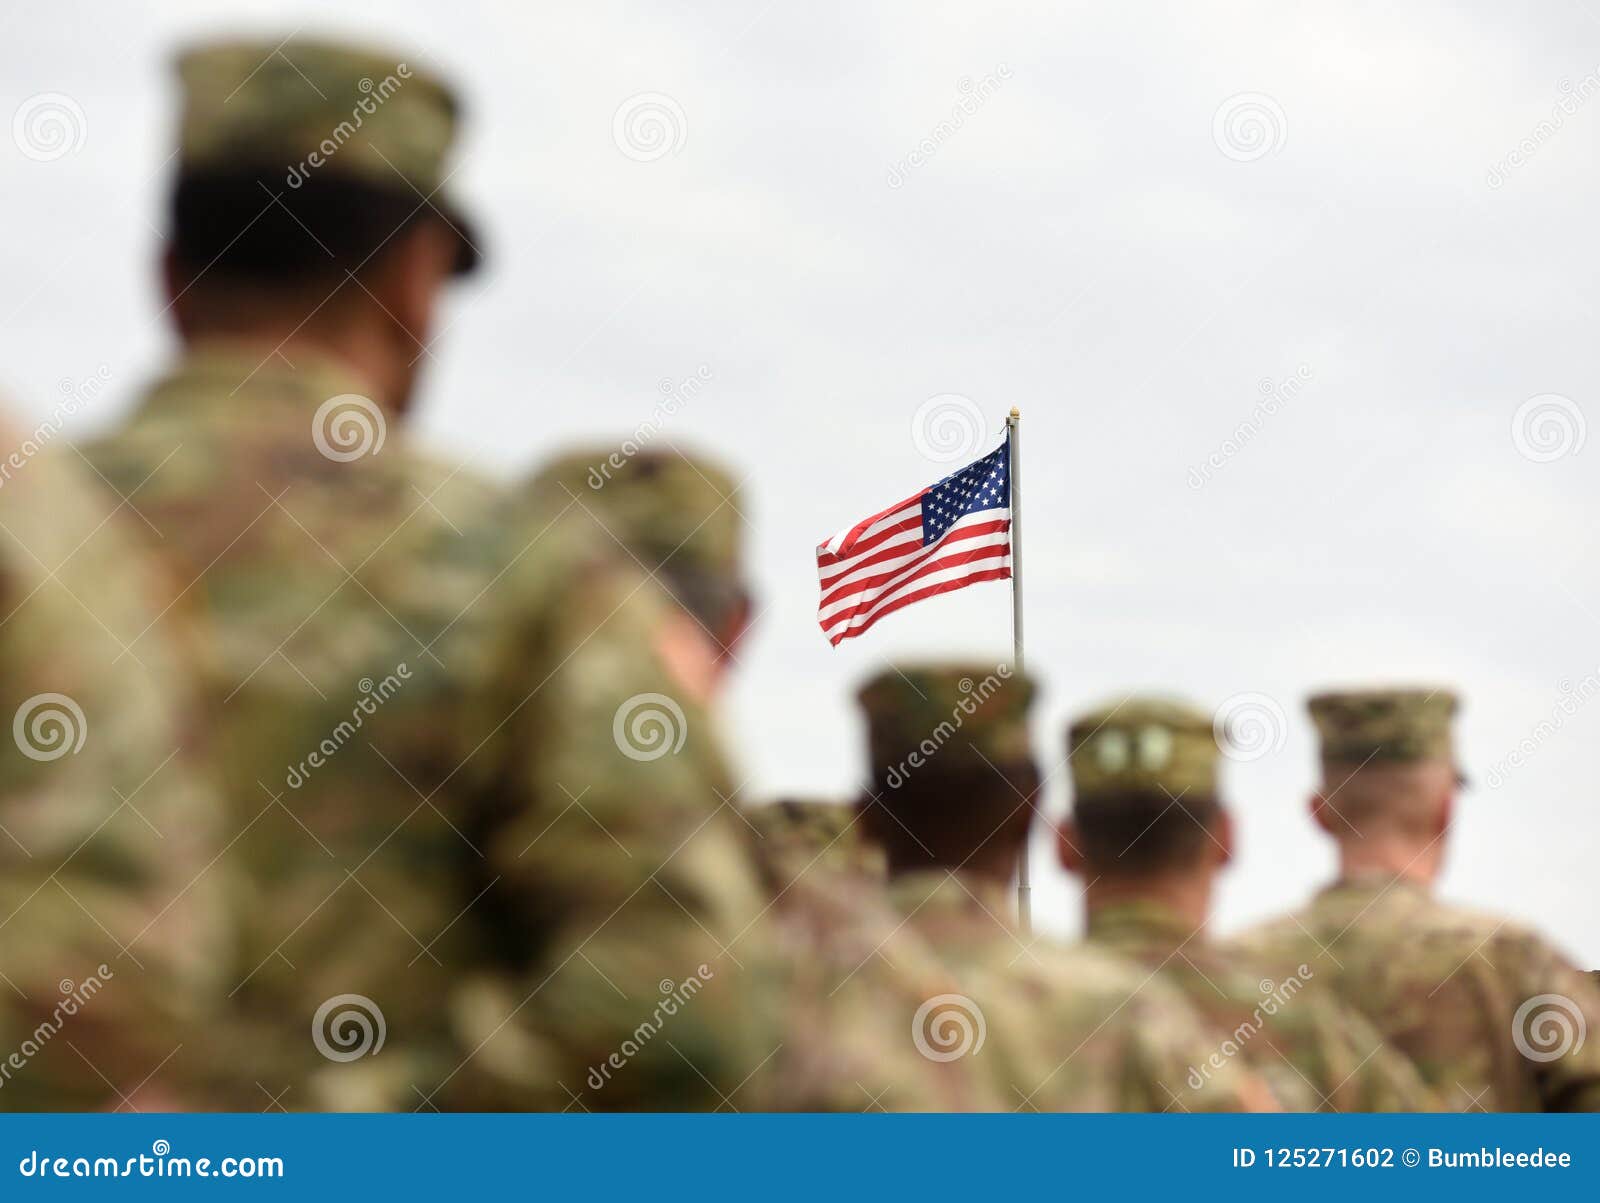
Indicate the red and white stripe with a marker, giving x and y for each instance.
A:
(879, 565)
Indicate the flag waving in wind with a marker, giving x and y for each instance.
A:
(954, 533)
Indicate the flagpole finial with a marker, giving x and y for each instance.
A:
(1015, 412)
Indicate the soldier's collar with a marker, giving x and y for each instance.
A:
(1140, 920)
(923, 890)
(250, 372)
(1373, 881)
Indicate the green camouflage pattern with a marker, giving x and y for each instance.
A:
(1359, 726)
(663, 507)
(1315, 1053)
(304, 106)
(419, 701)
(794, 835)
(1487, 1011)
(1065, 1028)
(959, 714)
(1143, 745)
(111, 932)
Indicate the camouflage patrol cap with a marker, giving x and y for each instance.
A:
(1143, 745)
(672, 511)
(304, 107)
(957, 713)
(1405, 725)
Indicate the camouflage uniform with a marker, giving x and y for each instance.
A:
(426, 704)
(1048, 1028)
(111, 936)
(1314, 1052)
(822, 957)
(1490, 1013)
(795, 835)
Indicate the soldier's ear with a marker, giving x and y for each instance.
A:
(1445, 813)
(1069, 844)
(1222, 829)
(1318, 806)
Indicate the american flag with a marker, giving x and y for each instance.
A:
(954, 533)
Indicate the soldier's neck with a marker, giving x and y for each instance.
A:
(1380, 855)
(365, 354)
(1187, 895)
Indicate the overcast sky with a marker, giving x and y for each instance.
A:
(1367, 233)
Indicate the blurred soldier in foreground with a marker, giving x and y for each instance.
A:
(1149, 836)
(417, 701)
(1492, 1016)
(847, 980)
(1052, 1028)
(111, 934)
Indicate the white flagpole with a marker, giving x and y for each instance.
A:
(1014, 437)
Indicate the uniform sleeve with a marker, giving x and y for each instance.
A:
(1554, 1028)
(627, 910)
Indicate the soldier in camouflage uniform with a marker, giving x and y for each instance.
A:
(1149, 835)
(1051, 1028)
(1492, 1015)
(111, 933)
(793, 835)
(825, 957)
(429, 704)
